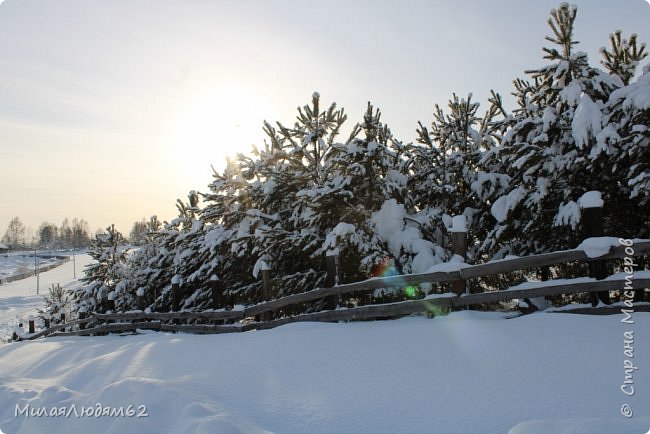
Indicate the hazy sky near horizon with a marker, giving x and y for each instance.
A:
(111, 110)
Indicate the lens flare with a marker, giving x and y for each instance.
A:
(435, 310)
(411, 291)
(387, 269)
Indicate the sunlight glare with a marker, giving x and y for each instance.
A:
(216, 123)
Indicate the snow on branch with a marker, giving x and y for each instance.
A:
(568, 215)
(591, 199)
(587, 121)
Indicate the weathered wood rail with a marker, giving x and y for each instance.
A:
(245, 317)
(467, 272)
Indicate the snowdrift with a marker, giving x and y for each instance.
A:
(468, 372)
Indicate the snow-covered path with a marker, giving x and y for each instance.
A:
(19, 299)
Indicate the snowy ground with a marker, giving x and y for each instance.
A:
(18, 299)
(468, 372)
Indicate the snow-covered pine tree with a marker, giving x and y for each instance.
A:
(622, 152)
(286, 205)
(450, 174)
(546, 150)
(190, 262)
(180, 256)
(103, 275)
(453, 147)
(257, 204)
(56, 303)
(364, 174)
(623, 57)
(298, 169)
(144, 271)
(229, 233)
(173, 250)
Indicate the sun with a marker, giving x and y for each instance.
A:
(215, 123)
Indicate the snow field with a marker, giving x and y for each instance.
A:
(468, 372)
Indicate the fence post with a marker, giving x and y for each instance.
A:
(30, 320)
(267, 289)
(82, 315)
(332, 279)
(139, 298)
(592, 219)
(216, 291)
(218, 298)
(459, 247)
(266, 284)
(176, 283)
(63, 319)
(110, 302)
(46, 321)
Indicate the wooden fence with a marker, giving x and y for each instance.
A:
(258, 317)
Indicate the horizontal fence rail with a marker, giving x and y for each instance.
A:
(551, 289)
(467, 272)
(207, 315)
(132, 321)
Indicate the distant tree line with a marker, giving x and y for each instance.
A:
(385, 207)
(69, 234)
(139, 232)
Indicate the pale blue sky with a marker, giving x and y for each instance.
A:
(111, 110)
